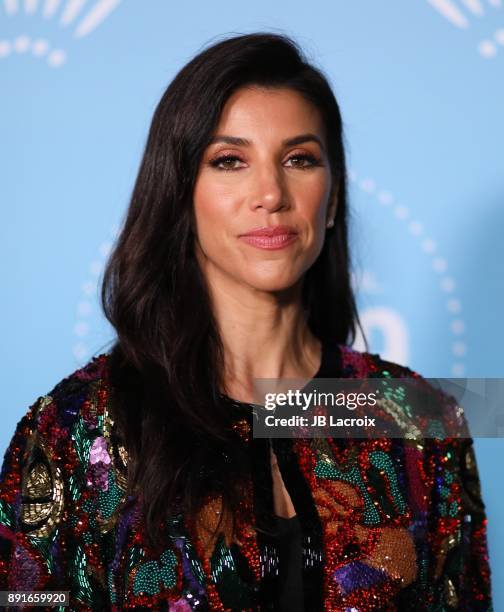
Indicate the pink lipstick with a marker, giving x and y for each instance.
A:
(270, 238)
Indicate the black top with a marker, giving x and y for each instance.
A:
(290, 552)
(289, 534)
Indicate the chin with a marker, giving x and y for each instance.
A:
(272, 284)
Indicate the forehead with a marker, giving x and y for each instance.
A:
(269, 110)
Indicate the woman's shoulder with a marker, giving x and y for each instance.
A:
(75, 396)
(68, 435)
(364, 364)
(63, 419)
(82, 380)
(60, 478)
(361, 364)
(408, 392)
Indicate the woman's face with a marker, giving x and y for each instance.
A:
(253, 175)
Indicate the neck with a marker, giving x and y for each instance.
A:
(264, 335)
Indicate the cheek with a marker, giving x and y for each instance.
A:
(315, 219)
(206, 202)
(313, 198)
(207, 216)
(213, 213)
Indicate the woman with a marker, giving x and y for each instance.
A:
(137, 482)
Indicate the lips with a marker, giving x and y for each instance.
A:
(270, 238)
(275, 230)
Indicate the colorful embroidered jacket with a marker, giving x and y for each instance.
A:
(388, 524)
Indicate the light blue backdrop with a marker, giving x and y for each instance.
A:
(421, 90)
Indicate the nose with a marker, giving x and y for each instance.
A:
(269, 191)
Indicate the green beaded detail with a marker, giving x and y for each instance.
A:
(136, 554)
(423, 570)
(176, 530)
(83, 591)
(111, 586)
(151, 576)
(382, 461)
(397, 394)
(222, 561)
(168, 571)
(196, 568)
(232, 590)
(6, 514)
(435, 429)
(146, 579)
(89, 507)
(109, 500)
(43, 545)
(74, 487)
(83, 440)
(454, 509)
(325, 469)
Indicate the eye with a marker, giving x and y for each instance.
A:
(225, 162)
(313, 161)
(224, 159)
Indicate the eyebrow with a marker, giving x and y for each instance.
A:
(244, 142)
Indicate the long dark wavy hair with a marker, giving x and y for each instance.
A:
(167, 360)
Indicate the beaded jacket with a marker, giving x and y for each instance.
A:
(387, 523)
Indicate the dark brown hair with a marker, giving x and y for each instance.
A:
(168, 353)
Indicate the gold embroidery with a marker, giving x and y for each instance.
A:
(450, 593)
(42, 491)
